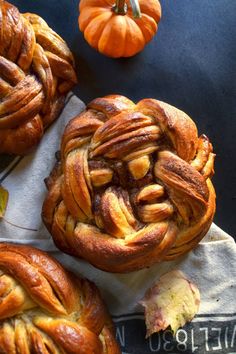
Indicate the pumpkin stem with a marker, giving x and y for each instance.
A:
(135, 8)
(120, 8)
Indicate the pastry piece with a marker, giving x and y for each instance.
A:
(133, 185)
(36, 73)
(44, 309)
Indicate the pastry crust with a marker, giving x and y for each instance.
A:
(44, 309)
(36, 73)
(133, 185)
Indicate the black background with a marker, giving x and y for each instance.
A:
(191, 64)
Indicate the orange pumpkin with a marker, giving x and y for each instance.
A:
(121, 29)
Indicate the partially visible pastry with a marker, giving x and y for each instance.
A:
(133, 186)
(46, 310)
(36, 72)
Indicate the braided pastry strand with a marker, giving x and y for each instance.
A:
(46, 310)
(36, 73)
(133, 186)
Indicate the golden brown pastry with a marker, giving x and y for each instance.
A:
(36, 72)
(46, 310)
(133, 186)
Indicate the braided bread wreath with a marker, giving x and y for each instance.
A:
(133, 186)
(46, 310)
(36, 73)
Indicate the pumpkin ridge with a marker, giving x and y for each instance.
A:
(125, 39)
(90, 15)
(134, 29)
(95, 28)
(108, 34)
(151, 8)
(149, 26)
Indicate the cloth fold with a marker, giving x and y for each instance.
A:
(211, 266)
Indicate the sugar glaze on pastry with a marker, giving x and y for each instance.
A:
(44, 309)
(36, 73)
(133, 186)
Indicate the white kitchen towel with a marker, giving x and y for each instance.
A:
(212, 265)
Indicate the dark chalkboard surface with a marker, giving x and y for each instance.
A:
(191, 64)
